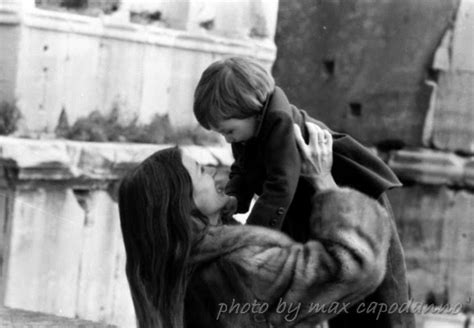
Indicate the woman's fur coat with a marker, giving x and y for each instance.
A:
(248, 276)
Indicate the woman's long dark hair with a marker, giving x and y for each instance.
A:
(155, 202)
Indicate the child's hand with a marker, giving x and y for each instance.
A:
(317, 156)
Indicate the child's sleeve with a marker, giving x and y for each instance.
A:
(283, 166)
(237, 185)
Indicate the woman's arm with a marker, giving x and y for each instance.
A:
(344, 260)
(342, 263)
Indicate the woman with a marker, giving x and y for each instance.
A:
(187, 269)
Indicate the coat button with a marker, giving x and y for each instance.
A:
(273, 222)
(280, 211)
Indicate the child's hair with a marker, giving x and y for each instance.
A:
(231, 88)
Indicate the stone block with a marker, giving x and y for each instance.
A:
(65, 256)
(5, 207)
(46, 158)
(469, 173)
(44, 251)
(233, 19)
(98, 267)
(39, 160)
(360, 66)
(123, 312)
(428, 167)
(436, 230)
(10, 36)
(458, 245)
(419, 213)
(142, 71)
(453, 117)
(27, 319)
(442, 57)
(443, 321)
(425, 283)
(462, 51)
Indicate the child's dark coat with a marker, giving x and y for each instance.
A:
(269, 165)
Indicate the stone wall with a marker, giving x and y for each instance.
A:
(398, 75)
(61, 60)
(361, 66)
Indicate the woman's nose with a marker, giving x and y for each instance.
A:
(211, 170)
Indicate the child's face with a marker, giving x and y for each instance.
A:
(237, 130)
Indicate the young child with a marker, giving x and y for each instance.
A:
(238, 98)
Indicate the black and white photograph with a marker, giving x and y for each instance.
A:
(237, 163)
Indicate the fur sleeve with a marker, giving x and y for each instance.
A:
(343, 262)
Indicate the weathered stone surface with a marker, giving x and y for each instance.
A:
(360, 66)
(437, 231)
(469, 173)
(44, 251)
(432, 167)
(99, 269)
(122, 311)
(451, 118)
(5, 206)
(453, 123)
(442, 56)
(420, 211)
(69, 160)
(458, 246)
(65, 256)
(427, 166)
(144, 71)
(463, 52)
(20, 318)
(443, 321)
(10, 36)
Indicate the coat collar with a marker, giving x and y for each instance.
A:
(277, 99)
(354, 165)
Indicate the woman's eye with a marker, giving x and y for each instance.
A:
(202, 169)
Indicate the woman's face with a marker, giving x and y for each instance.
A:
(208, 199)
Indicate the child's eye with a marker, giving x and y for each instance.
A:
(202, 169)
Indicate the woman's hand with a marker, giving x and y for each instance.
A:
(316, 157)
(229, 210)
